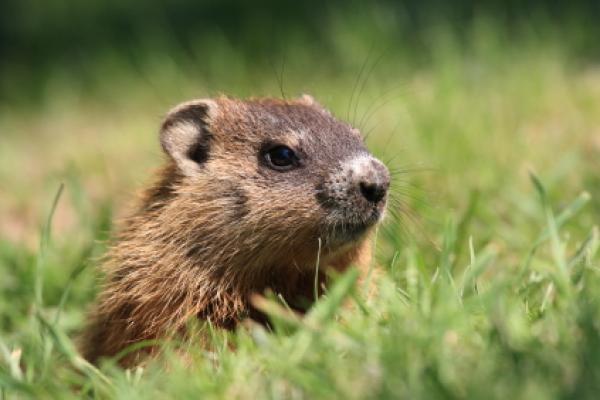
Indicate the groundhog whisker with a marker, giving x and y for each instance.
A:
(364, 123)
(355, 86)
(368, 133)
(363, 85)
(380, 102)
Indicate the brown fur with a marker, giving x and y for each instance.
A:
(217, 227)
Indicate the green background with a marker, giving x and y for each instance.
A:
(487, 113)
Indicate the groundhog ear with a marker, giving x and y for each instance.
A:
(308, 100)
(185, 134)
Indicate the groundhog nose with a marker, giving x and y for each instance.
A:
(374, 184)
(359, 188)
(372, 191)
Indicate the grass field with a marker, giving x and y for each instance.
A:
(492, 282)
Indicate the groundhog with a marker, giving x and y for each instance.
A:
(252, 193)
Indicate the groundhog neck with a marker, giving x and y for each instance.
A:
(169, 263)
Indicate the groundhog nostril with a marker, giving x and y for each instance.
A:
(373, 192)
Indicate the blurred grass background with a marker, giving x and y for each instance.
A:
(466, 98)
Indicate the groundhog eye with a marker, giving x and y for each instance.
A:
(281, 158)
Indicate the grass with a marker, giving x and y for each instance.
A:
(491, 286)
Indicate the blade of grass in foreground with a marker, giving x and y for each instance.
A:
(45, 238)
(44, 242)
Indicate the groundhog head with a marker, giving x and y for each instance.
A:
(284, 178)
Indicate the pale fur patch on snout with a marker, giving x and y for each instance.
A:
(359, 165)
(363, 165)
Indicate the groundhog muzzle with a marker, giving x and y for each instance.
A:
(252, 194)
